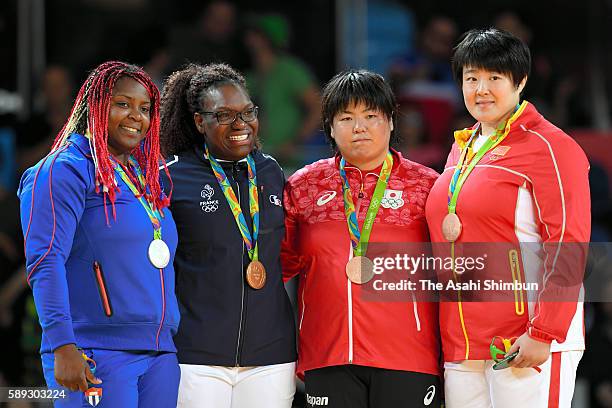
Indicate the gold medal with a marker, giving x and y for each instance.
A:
(256, 275)
(360, 270)
(451, 227)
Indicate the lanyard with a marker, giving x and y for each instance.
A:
(462, 171)
(360, 239)
(153, 213)
(249, 240)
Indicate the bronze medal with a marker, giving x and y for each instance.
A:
(451, 227)
(256, 275)
(360, 270)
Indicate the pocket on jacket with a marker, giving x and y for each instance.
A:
(102, 289)
(517, 281)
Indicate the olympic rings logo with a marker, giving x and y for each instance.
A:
(210, 208)
(393, 203)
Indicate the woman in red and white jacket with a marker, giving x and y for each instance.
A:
(518, 186)
(360, 344)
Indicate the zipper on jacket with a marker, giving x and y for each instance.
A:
(415, 311)
(303, 304)
(163, 316)
(348, 282)
(102, 289)
(242, 298)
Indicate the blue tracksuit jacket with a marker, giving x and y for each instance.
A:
(93, 283)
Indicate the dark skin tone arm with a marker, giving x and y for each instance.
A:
(71, 370)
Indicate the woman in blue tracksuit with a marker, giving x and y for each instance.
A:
(99, 244)
(236, 342)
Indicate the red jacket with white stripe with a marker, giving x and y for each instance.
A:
(341, 322)
(530, 195)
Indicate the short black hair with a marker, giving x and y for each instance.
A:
(354, 87)
(493, 50)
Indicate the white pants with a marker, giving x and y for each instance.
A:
(203, 386)
(474, 384)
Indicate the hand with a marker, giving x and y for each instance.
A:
(532, 353)
(71, 370)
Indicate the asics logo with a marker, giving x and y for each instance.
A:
(326, 198)
(431, 393)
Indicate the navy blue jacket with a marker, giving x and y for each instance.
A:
(223, 320)
(124, 304)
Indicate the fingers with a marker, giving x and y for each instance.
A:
(82, 384)
(523, 361)
(519, 361)
(91, 378)
(515, 347)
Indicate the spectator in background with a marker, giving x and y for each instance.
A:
(11, 287)
(212, 37)
(556, 92)
(34, 137)
(430, 61)
(423, 81)
(413, 146)
(284, 88)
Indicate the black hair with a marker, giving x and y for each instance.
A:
(183, 95)
(493, 50)
(354, 87)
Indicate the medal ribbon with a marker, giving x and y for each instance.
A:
(360, 239)
(154, 214)
(462, 171)
(249, 240)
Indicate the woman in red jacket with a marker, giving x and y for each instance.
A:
(518, 184)
(359, 346)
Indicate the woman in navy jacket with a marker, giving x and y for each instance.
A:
(99, 244)
(236, 342)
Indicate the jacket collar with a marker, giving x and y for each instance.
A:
(397, 158)
(525, 115)
(81, 142)
(201, 154)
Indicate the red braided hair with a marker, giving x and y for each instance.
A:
(89, 115)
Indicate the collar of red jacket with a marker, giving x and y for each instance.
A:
(525, 115)
(397, 159)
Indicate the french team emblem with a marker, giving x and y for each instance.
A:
(392, 199)
(93, 396)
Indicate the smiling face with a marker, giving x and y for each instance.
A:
(362, 135)
(128, 117)
(235, 140)
(490, 96)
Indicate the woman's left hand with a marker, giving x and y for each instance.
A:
(532, 353)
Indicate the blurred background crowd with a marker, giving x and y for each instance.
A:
(287, 51)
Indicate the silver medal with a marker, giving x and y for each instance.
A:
(159, 253)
